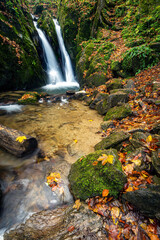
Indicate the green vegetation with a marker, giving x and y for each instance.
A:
(88, 179)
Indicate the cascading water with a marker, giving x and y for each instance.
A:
(56, 82)
(69, 76)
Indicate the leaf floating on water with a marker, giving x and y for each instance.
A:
(77, 204)
(21, 139)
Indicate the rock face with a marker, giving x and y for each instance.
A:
(62, 223)
(20, 66)
(146, 200)
(89, 178)
(112, 140)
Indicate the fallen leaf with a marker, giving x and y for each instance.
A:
(71, 228)
(77, 204)
(149, 139)
(105, 193)
(21, 138)
(75, 140)
(95, 163)
(115, 211)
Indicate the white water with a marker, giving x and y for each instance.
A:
(69, 75)
(56, 81)
(11, 108)
(53, 69)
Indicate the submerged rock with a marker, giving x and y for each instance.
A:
(146, 200)
(62, 223)
(88, 177)
(112, 140)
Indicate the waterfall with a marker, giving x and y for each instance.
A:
(69, 76)
(56, 81)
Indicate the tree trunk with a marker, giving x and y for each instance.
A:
(100, 5)
(16, 142)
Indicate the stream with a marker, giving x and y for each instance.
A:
(65, 131)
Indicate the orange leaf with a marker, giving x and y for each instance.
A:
(95, 163)
(105, 193)
(71, 228)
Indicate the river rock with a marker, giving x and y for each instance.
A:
(107, 124)
(146, 200)
(112, 140)
(156, 160)
(88, 177)
(115, 83)
(118, 112)
(111, 101)
(62, 223)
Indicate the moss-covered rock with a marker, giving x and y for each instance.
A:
(110, 101)
(107, 124)
(88, 180)
(112, 140)
(118, 112)
(115, 83)
(20, 66)
(156, 161)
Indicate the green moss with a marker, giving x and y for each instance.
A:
(118, 112)
(87, 180)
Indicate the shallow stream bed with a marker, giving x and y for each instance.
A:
(65, 132)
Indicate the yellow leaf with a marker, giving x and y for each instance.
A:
(115, 211)
(149, 139)
(21, 138)
(103, 157)
(110, 159)
(90, 120)
(75, 140)
(77, 204)
(137, 162)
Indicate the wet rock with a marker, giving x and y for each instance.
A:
(62, 223)
(146, 200)
(118, 112)
(88, 177)
(139, 136)
(107, 124)
(102, 106)
(112, 140)
(156, 160)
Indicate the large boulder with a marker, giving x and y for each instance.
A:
(146, 200)
(62, 223)
(111, 101)
(156, 160)
(112, 140)
(88, 177)
(118, 112)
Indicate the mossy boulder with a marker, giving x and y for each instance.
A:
(92, 66)
(118, 112)
(110, 101)
(112, 140)
(115, 83)
(89, 180)
(156, 161)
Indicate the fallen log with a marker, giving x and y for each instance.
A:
(16, 142)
